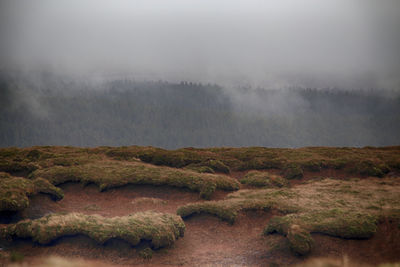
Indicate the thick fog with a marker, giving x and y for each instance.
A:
(274, 44)
(179, 73)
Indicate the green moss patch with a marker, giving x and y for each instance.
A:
(263, 179)
(161, 229)
(14, 191)
(109, 174)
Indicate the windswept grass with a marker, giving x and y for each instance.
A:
(14, 191)
(161, 229)
(109, 174)
(346, 209)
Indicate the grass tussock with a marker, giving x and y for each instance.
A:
(161, 229)
(15, 191)
(332, 207)
(109, 174)
(263, 179)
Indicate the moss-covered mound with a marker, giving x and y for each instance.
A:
(183, 158)
(368, 161)
(300, 240)
(347, 209)
(161, 229)
(109, 174)
(263, 179)
(334, 222)
(14, 191)
(229, 208)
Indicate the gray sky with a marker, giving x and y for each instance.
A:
(350, 43)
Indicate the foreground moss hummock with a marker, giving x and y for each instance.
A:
(109, 174)
(346, 209)
(14, 191)
(161, 229)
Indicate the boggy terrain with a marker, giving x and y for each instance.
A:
(255, 206)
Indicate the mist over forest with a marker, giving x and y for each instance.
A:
(182, 73)
(48, 109)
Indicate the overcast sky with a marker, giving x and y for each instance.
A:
(350, 43)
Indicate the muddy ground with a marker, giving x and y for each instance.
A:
(207, 241)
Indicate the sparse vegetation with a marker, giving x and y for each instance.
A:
(14, 191)
(161, 229)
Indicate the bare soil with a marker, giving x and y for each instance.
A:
(207, 241)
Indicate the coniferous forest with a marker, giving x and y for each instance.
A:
(48, 109)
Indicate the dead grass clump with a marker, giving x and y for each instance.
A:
(109, 174)
(263, 179)
(161, 229)
(14, 191)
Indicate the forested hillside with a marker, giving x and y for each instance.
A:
(47, 109)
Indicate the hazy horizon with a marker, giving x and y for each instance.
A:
(308, 43)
